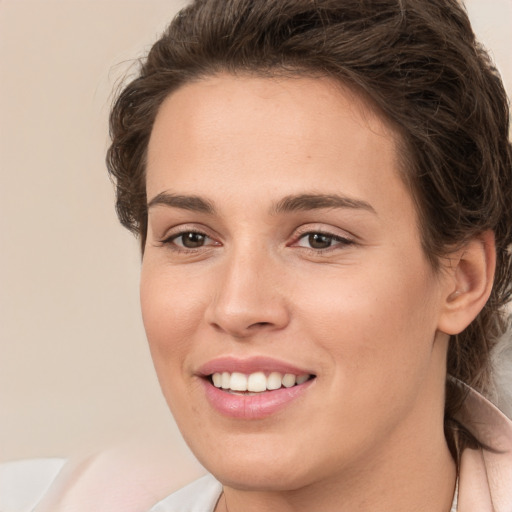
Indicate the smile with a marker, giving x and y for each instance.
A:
(256, 382)
(255, 387)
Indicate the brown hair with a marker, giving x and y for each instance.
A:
(416, 60)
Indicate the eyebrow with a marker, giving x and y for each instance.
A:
(291, 203)
(193, 203)
(303, 202)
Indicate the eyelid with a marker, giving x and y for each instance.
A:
(344, 238)
(175, 236)
(180, 228)
(168, 239)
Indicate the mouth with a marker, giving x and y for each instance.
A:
(253, 388)
(255, 383)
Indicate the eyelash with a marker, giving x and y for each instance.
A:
(171, 241)
(335, 241)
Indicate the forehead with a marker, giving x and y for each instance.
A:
(296, 133)
(203, 104)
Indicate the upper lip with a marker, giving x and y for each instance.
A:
(249, 365)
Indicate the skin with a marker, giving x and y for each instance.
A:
(365, 314)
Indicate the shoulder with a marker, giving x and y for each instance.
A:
(24, 482)
(128, 478)
(199, 496)
(486, 473)
(490, 426)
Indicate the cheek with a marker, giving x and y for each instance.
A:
(171, 310)
(379, 358)
(375, 327)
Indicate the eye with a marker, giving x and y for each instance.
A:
(189, 240)
(321, 241)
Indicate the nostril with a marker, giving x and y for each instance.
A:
(260, 324)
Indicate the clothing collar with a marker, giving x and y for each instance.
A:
(485, 474)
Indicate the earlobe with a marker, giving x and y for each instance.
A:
(469, 283)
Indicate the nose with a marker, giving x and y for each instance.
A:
(248, 298)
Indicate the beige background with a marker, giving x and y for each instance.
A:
(74, 368)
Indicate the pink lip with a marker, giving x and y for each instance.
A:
(256, 406)
(254, 364)
(251, 407)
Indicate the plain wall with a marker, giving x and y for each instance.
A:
(74, 367)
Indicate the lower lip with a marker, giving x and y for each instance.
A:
(256, 406)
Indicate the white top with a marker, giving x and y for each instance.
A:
(24, 482)
(199, 496)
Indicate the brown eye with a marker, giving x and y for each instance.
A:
(190, 240)
(319, 240)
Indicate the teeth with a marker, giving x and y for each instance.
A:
(256, 382)
(274, 381)
(238, 382)
(217, 380)
(302, 378)
(289, 380)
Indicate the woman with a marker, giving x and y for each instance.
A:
(322, 192)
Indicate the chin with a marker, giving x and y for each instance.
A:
(267, 477)
(251, 464)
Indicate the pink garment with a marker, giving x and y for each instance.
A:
(485, 482)
(126, 478)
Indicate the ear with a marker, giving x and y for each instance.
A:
(470, 277)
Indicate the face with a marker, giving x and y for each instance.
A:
(283, 257)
